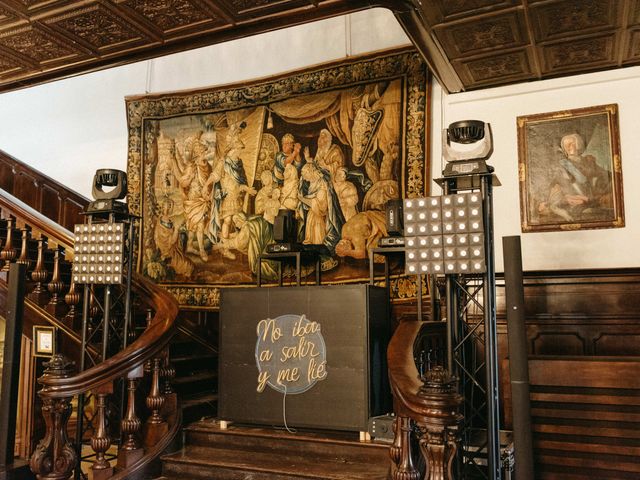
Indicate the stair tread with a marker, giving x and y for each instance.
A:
(303, 467)
(198, 398)
(333, 437)
(195, 377)
(192, 356)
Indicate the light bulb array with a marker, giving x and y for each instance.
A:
(99, 253)
(444, 234)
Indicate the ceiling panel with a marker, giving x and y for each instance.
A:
(450, 10)
(472, 37)
(582, 54)
(505, 68)
(243, 9)
(172, 17)
(35, 45)
(468, 44)
(568, 18)
(98, 28)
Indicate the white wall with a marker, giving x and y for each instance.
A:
(68, 129)
(607, 248)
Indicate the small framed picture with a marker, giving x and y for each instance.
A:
(44, 340)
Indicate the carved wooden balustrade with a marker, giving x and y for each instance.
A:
(141, 434)
(427, 409)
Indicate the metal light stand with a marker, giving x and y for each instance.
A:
(115, 323)
(472, 343)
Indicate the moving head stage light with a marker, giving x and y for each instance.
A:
(465, 146)
(106, 201)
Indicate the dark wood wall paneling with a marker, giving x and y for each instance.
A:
(583, 329)
(588, 312)
(49, 197)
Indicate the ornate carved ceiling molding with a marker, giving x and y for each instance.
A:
(469, 44)
(488, 43)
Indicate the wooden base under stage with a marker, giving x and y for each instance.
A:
(240, 453)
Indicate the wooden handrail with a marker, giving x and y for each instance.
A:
(60, 384)
(403, 374)
(428, 404)
(37, 221)
(153, 340)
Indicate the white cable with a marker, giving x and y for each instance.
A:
(347, 36)
(284, 411)
(147, 87)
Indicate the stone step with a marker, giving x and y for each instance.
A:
(232, 464)
(335, 446)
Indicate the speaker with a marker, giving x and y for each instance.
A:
(393, 211)
(346, 325)
(518, 358)
(285, 227)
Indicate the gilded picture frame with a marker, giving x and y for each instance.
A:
(570, 170)
(44, 340)
(209, 169)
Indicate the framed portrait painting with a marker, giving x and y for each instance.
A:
(570, 171)
(209, 171)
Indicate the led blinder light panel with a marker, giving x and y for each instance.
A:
(444, 234)
(99, 253)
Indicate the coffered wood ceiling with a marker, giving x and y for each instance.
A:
(469, 44)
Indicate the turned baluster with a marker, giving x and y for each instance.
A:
(55, 458)
(441, 423)
(101, 441)
(56, 285)
(131, 450)
(3, 230)
(25, 250)
(155, 400)
(40, 273)
(9, 252)
(156, 427)
(401, 451)
(168, 373)
(395, 451)
(72, 299)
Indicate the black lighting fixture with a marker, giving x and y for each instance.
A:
(109, 186)
(394, 224)
(466, 145)
(444, 235)
(99, 253)
(285, 233)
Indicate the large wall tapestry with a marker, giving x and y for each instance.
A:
(210, 169)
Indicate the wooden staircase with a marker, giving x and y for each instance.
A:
(196, 380)
(250, 453)
(189, 370)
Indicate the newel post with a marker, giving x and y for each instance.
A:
(440, 424)
(55, 457)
